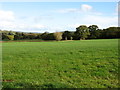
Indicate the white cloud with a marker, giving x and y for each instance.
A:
(8, 21)
(6, 16)
(22, 27)
(86, 8)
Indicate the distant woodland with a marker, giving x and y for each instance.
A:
(82, 32)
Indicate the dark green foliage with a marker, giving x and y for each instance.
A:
(50, 36)
(82, 32)
(47, 36)
(18, 36)
(67, 35)
(94, 32)
(32, 36)
(4, 36)
(111, 32)
(39, 36)
(11, 33)
(44, 35)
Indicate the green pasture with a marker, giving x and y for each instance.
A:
(62, 64)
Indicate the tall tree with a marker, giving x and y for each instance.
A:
(94, 33)
(82, 32)
(67, 35)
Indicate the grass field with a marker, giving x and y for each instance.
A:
(64, 64)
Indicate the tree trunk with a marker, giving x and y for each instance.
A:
(82, 38)
(65, 38)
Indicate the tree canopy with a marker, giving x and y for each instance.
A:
(82, 32)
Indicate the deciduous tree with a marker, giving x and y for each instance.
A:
(82, 32)
(58, 36)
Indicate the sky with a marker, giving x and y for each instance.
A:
(56, 16)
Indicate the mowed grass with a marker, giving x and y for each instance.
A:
(64, 64)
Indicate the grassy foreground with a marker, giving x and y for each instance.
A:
(65, 64)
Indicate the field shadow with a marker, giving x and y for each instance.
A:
(32, 85)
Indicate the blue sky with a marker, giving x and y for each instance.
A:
(56, 16)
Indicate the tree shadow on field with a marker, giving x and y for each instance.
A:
(29, 85)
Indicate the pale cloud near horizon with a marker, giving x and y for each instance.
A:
(6, 19)
(9, 20)
(102, 21)
(6, 15)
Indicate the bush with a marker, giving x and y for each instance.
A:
(10, 37)
(58, 36)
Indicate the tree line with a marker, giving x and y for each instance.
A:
(82, 32)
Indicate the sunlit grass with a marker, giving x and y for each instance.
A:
(70, 64)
